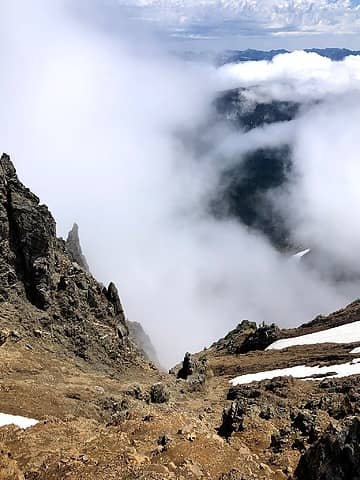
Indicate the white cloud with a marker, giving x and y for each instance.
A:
(276, 17)
(296, 76)
(91, 121)
(323, 196)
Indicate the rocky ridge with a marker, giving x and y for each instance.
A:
(46, 293)
(136, 331)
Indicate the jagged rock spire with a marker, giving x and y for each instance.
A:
(74, 248)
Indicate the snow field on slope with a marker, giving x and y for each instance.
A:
(348, 333)
(303, 372)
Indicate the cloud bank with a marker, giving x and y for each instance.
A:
(322, 196)
(207, 18)
(298, 76)
(108, 134)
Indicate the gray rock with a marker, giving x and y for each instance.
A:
(164, 441)
(335, 456)
(159, 393)
(233, 419)
(306, 423)
(279, 441)
(37, 270)
(113, 297)
(74, 248)
(28, 237)
(264, 336)
(235, 339)
(187, 368)
(243, 391)
(143, 342)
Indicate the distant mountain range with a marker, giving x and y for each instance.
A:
(249, 55)
(237, 56)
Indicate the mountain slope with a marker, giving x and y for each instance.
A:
(47, 298)
(93, 408)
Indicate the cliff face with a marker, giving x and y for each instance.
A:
(48, 292)
(28, 240)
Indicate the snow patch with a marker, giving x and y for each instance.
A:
(22, 422)
(303, 372)
(348, 333)
(356, 350)
(302, 253)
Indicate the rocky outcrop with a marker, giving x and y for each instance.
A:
(232, 419)
(234, 340)
(27, 245)
(300, 418)
(159, 393)
(264, 336)
(194, 371)
(247, 337)
(134, 329)
(74, 248)
(46, 290)
(335, 456)
(187, 368)
(143, 342)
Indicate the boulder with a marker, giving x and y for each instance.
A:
(187, 368)
(335, 456)
(159, 393)
(232, 419)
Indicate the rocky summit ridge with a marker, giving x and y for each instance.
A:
(46, 289)
(95, 408)
(136, 331)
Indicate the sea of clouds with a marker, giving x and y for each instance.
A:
(95, 123)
